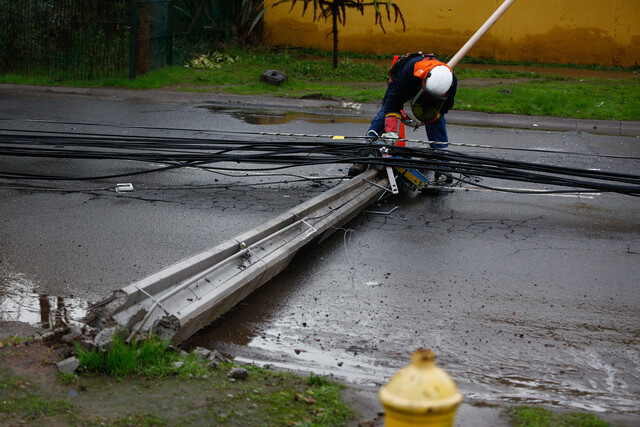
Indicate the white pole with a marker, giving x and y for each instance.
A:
(485, 27)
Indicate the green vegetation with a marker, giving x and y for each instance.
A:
(362, 79)
(526, 416)
(22, 399)
(12, 341)
(148, 356)
(145, 387)
(34, 405)
(298, 400)
(155, 393)
(280, 397)
(67, 378)
(593, 99)
(63, 37)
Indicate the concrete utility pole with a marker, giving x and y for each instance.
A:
(181, 299)
(481, 31)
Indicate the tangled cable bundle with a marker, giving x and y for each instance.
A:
(267, 151)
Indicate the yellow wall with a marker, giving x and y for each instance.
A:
(606, 32)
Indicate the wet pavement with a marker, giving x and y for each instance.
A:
(525, 306)
(524, 298)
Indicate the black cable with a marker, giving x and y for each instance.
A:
(202, 153)
(280, 135)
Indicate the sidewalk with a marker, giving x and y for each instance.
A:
(342, 108)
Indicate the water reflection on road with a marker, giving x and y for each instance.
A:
(18, 303)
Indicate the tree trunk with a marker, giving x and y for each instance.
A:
(334, 13)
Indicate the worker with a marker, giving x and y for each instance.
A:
(430, 86)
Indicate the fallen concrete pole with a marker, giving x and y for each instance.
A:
(183, 298)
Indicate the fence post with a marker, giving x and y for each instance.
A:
(169, 46)
(133, 42)
(151, 36)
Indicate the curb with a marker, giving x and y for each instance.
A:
(342, 108)
(602, 127)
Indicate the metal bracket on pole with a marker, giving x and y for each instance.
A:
(390, 174)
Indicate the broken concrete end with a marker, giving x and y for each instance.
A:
(104, 339)
(166, 327)
(101, 314)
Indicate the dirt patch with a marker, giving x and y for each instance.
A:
(21, 329)
(35, 361)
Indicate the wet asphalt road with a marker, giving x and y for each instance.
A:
(524, 298)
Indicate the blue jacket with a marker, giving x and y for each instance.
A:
(405, 86)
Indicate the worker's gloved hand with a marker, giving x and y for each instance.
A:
(411, 123)
(389, 138)
(408, 121)
(392, 123)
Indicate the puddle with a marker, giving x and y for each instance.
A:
(18, 303)
(270, 117)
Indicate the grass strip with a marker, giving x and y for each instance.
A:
(148, 356)
(529, 416)
(595, 99)
(264, 398)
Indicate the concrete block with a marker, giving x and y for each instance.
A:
(68, 366)
(75, 331)
(104, 339)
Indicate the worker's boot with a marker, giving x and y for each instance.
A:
(443, 178)
(358, 168)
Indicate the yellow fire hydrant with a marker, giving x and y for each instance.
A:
(420, 394)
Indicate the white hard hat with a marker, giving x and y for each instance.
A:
(439, 80)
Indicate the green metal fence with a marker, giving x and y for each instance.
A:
(88, 39)
(66, 38)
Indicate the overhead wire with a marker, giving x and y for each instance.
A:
(245, 134)
(219, 153)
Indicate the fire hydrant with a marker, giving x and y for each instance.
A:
(420, 394)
